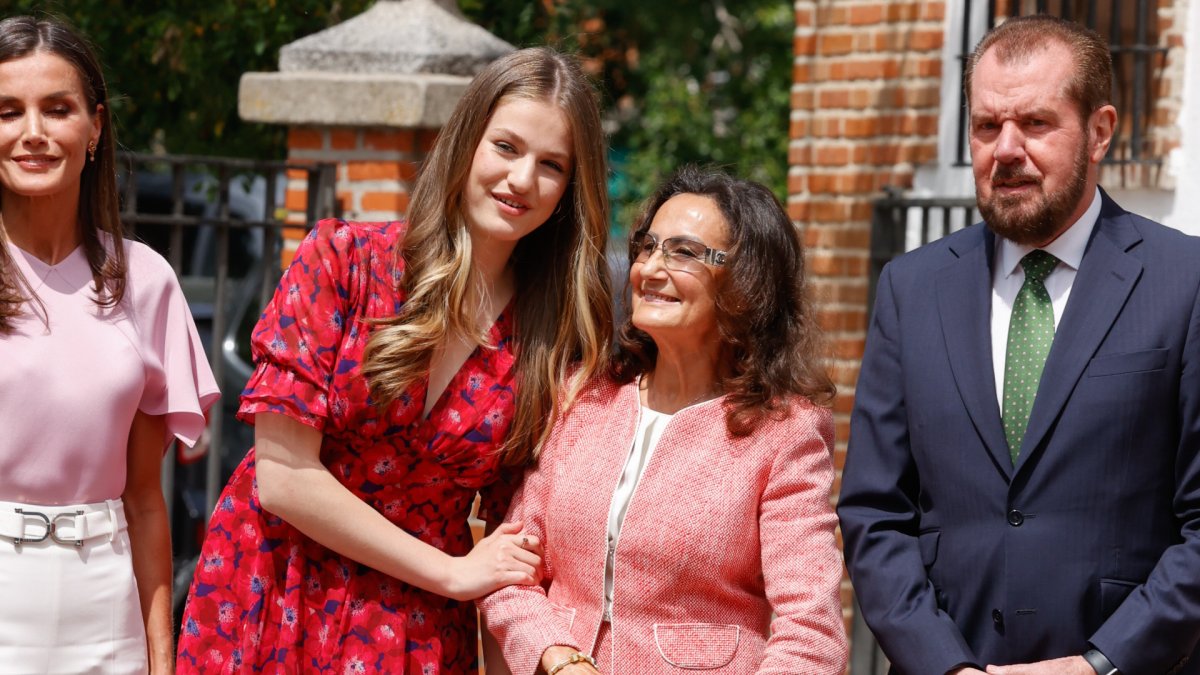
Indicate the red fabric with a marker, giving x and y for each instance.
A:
(266, 598)
(720, 533)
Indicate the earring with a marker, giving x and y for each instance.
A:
(92, 151)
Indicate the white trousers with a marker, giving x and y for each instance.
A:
(68, 608)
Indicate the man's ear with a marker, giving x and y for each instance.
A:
(1102, 124)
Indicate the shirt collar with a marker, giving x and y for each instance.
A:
(1068, 247)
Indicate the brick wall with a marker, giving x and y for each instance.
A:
(1164, 132)
(865, 100)
(376, 168)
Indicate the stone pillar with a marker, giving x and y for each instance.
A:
(865, 96)
(370, 96)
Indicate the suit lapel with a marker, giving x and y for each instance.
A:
(1104, 281)
(964, 295)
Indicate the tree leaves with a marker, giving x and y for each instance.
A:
(173, 67)
(684, 80)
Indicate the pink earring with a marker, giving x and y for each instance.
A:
(92, 151)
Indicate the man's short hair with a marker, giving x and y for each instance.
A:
(1019, 38)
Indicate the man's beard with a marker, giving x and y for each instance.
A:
(1032, 219)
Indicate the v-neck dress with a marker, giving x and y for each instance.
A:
(265, 597)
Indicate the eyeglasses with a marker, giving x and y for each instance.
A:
(679, 253)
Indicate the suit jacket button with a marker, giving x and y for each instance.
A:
(1015, 518)
(998, 620)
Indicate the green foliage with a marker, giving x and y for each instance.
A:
(173, 67)
(684, 80)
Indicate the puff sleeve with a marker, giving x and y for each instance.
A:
(296, 341)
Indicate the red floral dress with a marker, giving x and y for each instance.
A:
(266, 598)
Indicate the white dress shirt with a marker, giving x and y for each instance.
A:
(1008, 276)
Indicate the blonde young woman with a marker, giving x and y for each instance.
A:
(100, 366)
(398, 367)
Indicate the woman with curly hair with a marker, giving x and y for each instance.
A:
(685, 496)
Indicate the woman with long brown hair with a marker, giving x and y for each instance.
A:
(100, 366)
(399, 366)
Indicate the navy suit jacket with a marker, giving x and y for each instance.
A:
(957, 556)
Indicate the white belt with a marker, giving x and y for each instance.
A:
(69, 525)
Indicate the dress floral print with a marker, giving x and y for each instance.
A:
(266, 598)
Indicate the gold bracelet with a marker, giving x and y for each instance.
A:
(577, 657)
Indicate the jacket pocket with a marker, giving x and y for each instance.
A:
(697, 646)
(1129, 362)
(1112, 593)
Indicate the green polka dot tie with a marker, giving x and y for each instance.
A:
(1029, 336)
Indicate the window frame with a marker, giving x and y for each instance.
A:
(1132, 95)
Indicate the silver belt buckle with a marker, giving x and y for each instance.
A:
(51, 525)
(77, 541)
(33, 514)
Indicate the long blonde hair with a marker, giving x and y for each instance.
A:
(563, 311)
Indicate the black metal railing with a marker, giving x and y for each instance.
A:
(1138, 61)
(901, 223)
(219, 221)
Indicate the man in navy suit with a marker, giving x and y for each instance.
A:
(1022, 490)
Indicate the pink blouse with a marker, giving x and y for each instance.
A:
(72, 379)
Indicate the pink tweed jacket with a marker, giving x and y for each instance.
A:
(720, 532)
